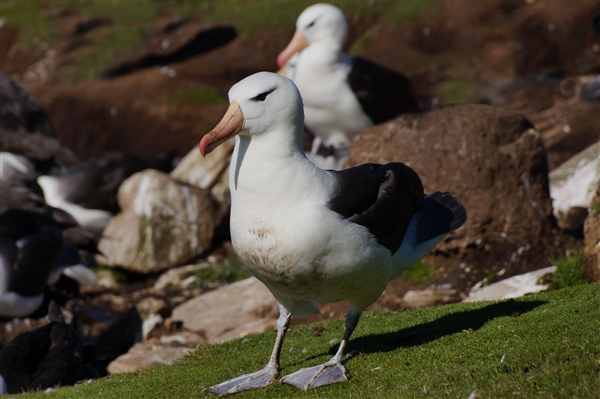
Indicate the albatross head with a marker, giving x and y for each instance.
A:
(259, 104)
(319, 22)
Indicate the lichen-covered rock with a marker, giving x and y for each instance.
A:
(163, 223)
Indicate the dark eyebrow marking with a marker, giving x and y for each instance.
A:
(262, 96)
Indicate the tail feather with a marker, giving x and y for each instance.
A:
(440, 213)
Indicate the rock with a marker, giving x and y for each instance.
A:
(567, 129)
(494, 162)
(229, 312)
(567, 122)
(573, 183)
(513, 287)
(591, 234)
(415, 299)
(175, 278)
(145, 355)
(163, 223)
(211, 173)
(150, 305)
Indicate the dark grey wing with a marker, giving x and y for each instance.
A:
(383, 198)
(383, 94)
(63, 363)
(37, 254)
(440, 214)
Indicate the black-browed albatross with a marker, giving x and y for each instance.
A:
(312, 235)
(342, 96)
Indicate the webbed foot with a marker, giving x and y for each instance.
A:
(258, 379)
(312, 377)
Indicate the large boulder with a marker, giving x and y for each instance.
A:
(494, 162)
(163, 223)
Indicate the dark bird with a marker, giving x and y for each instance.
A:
(26, 129)
(35, 249)
(312, 235)
(45, 357)
(88, 190)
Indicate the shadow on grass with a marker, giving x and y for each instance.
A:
(468, 320)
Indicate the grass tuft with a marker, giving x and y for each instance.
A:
(419, 273)
(570, 270)
(230, 271)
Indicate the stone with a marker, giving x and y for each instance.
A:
(151, 305)
(163, 223)
(229, 312)
(175, 278)
(513, 287)
(573, 183)
(145, 355)
(210, 173)
(415, 299)
(591, 233)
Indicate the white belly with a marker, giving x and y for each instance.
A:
(312, 257)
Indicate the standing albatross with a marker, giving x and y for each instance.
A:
(342, 95)
(312, 235)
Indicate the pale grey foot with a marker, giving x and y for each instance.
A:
(263, 377)
(327, 373)
(311, 377)
(258, 379)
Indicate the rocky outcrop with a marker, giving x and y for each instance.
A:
(494, 162)
(163, 223)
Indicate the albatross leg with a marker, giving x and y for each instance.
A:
(327, 373)
(262, 377)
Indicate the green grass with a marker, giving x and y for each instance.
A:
(204, 95)
(419, 273)
(542, 346)
(570, 270)
(230, 271)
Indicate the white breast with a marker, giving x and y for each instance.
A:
(286, 236)
(330, 106)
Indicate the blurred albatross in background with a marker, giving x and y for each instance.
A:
(342, 96)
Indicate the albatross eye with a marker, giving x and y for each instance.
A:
(262, 96)
(311, 24)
